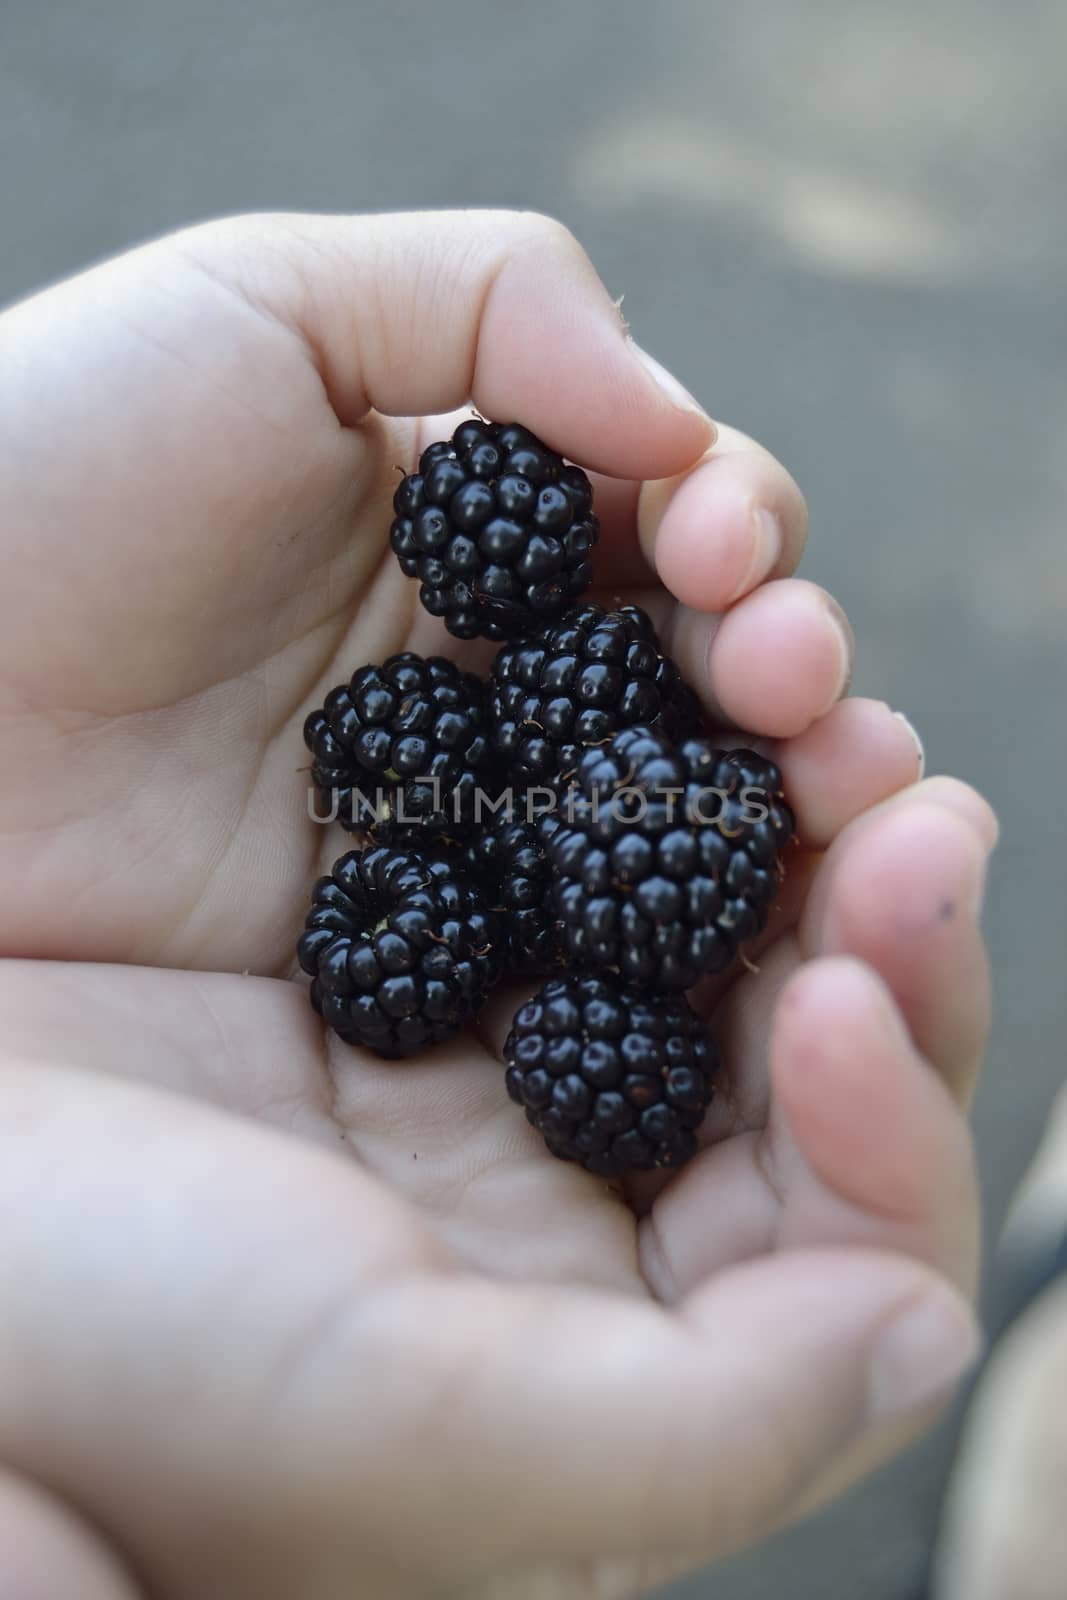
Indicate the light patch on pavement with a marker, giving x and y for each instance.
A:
(827, 218)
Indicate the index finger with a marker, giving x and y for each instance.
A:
(711, 534)
(422, 311)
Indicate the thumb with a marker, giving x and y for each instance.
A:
(422, 312)
(565, 1426)
(241, 1356)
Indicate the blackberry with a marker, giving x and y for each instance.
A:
(666, 857)
(613, 1078)
(577, 682)
(403, 747)
(497, 528)
(509, 861)
(401, 948)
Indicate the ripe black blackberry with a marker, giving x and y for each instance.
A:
(401, 948)
(612, 1077)
(497, 528)
(403, 748)
(508, 859)
(578, 681)
(667, 857)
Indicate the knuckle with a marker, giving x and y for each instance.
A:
(546, 232)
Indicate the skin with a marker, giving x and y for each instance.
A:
(280, 1317)
(1002, 1537)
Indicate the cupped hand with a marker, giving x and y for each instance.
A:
(280, 1318)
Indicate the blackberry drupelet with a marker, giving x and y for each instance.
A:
(403, 748)
(667, 857)
(613, 1078)
(497, 528)
(509, 862)
(401, 948)
(577, 682)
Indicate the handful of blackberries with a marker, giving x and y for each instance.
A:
(566, 819)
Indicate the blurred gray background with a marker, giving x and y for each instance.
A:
(841, 223)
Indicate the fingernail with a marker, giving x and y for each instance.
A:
(964, 803)
(846, 643)
(766, 548)
(676, 392)
(920, 1357)
(974, 894)
(918, 742)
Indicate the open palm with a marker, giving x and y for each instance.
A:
(198, 448)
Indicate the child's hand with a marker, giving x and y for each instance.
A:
(284, 1320)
